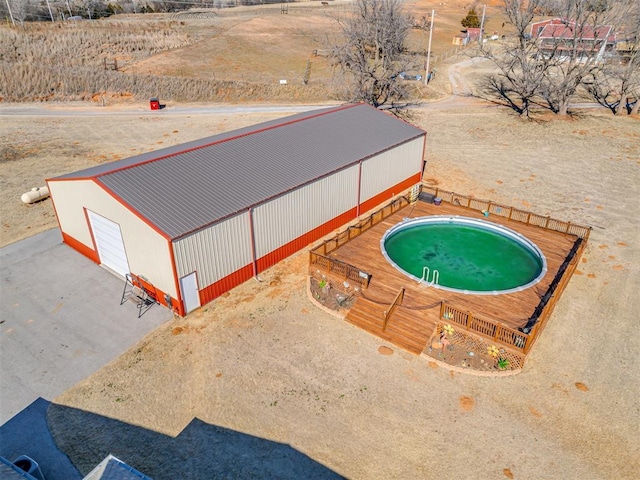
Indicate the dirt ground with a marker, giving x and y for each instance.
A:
(34, 148)
(264, 361)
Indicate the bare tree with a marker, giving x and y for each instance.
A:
(21, 10)
(551, 68)
(521, 71)
(370, 55)
(616, 85)
(519, 79)
(576, 53)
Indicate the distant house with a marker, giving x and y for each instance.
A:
(563, 38)
(537, 27)
(467, 36)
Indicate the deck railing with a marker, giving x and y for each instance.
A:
(547, 310)
(488, 328)
(508, 212)
(340, 269)
(318, 255)
(392, 308)
(494, 330)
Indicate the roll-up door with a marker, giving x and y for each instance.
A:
(109, 243)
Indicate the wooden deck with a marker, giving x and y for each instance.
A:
(413, 323)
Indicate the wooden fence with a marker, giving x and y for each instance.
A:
(397, 302)
(477, 343)
(510, 213)
(318, 256)
(487, 328)
(547, 310)
(339, 269)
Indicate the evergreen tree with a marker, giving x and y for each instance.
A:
(471, 20)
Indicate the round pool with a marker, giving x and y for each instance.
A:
(464, 255)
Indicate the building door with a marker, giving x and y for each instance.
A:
(109, 243)
(190, 294)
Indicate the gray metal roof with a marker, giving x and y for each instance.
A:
(184, 188)
(112, 468)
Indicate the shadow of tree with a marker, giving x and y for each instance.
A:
(200, 451)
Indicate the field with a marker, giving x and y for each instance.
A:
(265, 363)
(223, 55)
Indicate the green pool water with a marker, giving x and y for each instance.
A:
(467, 257)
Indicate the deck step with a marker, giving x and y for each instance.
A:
(408, 329)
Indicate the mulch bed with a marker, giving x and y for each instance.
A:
(331, 295)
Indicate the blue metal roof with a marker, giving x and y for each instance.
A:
(184, 188)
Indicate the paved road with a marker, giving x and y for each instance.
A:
(84, 110)
(60, 320)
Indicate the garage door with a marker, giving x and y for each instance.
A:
(109, 243)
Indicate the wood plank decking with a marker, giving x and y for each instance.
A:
(413, 323)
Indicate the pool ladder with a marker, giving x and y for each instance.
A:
(435, 277)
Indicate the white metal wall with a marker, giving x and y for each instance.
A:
(286, 218)
(390, 168)
(148, 252)
(215, 252)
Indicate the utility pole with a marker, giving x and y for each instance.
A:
(426, 69)
(50, 13)
(484, 8)
(10, 14)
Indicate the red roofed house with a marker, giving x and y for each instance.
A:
(467, 36)
(562, 37)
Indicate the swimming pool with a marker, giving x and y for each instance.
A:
(464, 254)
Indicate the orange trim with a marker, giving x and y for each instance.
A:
(130, 208)
(302, 241)
(245, 273)
(90, 228)
(225, 284)
(423, 167)
(80, 247)
(55, 211)
(158, 294)
(178, 307)
(390, 192)
(73, 179)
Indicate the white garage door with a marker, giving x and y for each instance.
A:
(109, 243)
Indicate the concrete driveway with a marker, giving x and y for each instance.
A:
(60, 320)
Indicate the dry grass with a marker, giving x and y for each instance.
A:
(235, 55)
